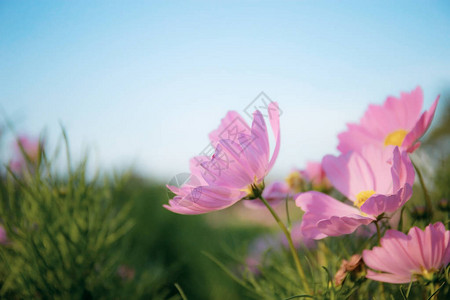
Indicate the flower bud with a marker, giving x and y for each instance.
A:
(443, 205)
(419, 212)
(354, 266)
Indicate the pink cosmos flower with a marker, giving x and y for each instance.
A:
(376, 181)
(404, 258)
(28, 146)
(315, 174)
(236, 169)
(397, 122)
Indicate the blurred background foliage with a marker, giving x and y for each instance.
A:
(70, 235)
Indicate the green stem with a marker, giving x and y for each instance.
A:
(432, 290)
(287, 213)
(428, 205)
(383, 296)
(300, 271)
(180, 290)
(378, 232)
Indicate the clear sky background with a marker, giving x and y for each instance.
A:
(144, 82)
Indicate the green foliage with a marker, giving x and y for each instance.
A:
(276, 277)
(76, 235)
(63, 233)
(177, 242)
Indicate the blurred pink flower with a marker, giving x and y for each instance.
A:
(397, 122)
(258, 249)
(403, 258)
(236, 170)
(28, 146)
(298, 239)
(3, 236)
(295, 181)
(315, 174)
(125, 272)
(266, 243)
(377, 181)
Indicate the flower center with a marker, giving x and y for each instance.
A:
(362, 197)
(254, 190)
(295, 182)
(428, 275)
(395, 137)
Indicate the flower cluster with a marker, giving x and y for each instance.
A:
(371, 180)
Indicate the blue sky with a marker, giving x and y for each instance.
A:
(144, 82)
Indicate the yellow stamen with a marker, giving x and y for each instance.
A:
(362, 197)
(395, 137)
(295, 181)
(248, 189)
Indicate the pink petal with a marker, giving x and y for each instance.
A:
(406, 110)
(420, 127)
(274, 116)
(227, 167)
(397, 253)
(389, 278)
(256, 146)
(174, 189)
(446, 242)
(394, 114)
(257, 161)
(414, 147)
(355, 138)
(349, 173)
(379, 203)
(379, 121)
(230, 127)
(393, 257)
(339, 225)
(315, 174)
(380, 162)
(325, 215)
(204, 199)
(402, 170)
(428, 245)
(195, 166)
(260, 136)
